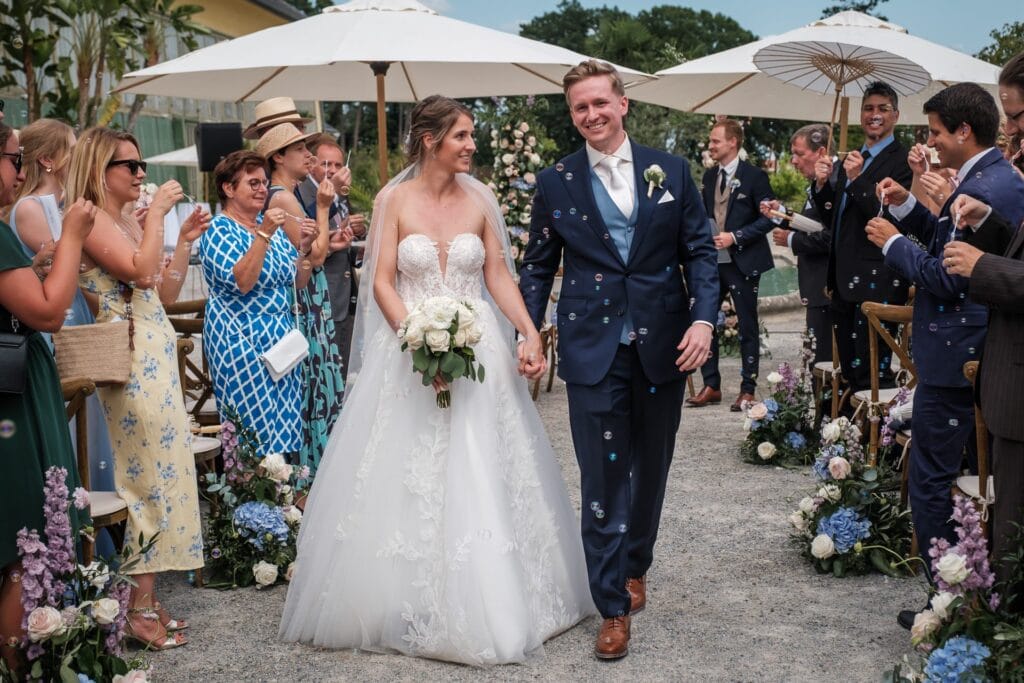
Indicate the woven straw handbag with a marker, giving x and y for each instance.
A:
(99, 352)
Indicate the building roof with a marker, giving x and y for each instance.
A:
(281, 8)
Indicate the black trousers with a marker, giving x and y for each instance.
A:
(852, 339)
(743, 289)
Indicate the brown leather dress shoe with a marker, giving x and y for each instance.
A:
(613, 639)
(637, 594)
(704, 397)
(738, 405)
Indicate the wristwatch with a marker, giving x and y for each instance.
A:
(265, 236)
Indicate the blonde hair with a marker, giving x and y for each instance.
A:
(44, 138)
(589, 69)
(95, 149)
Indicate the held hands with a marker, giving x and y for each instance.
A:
(891, 193)
(324, 194)
(879, 231)
(695, 347)
(853, 164)
(195, 225)
(532, 362)
(357, 222)
(167, 195)
(822, 171)
(971, 211)
(724, 240)
(79, 219)
(960, 258)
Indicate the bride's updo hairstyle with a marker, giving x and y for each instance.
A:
(434, 116)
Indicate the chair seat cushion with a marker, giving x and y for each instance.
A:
(103, 503)
(202, 445)
(970, 485)
(884, 395)
(825, 368)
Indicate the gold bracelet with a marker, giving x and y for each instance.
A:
(265, 236)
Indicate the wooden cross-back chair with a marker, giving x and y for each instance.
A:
(979, 488)
(827, 373)
(187, 320)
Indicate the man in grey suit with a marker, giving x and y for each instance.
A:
(340, 265)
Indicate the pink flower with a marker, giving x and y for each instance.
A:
(81, 497)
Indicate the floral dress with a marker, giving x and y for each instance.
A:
(154, 468)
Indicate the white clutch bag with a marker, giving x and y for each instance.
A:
(282, 357)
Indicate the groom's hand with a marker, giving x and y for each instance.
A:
(532, 362)
(695, 347)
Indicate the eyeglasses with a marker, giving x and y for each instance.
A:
(255, 184)
(16, 159)
(133, 165)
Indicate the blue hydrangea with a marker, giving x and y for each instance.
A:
(845, 527)
(755, 425)
(796, 440)
(255, 520)
(820, 467)
(959, 660)
(772, 405)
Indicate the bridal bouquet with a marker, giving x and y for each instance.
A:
(75, 615)
(441, 333)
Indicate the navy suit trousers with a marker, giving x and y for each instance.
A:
(624, 429)
(743, 289)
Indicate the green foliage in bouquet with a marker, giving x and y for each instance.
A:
(253, 524)
(779, 428)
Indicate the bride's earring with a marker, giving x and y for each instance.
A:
(49, 169)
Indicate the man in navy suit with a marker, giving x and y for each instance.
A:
(949, 329)
(733, 191)
(631, 324)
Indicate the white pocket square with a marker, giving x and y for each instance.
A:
(666, 198)
(741, 196)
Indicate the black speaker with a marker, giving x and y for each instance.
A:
(214, 141)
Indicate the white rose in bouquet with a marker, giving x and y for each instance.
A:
(758, 411)
(44, 623)
(765, 450)
(460, 338)
(940, 604)
(105, 610)
(799, 522)
(530, 177)
(412, 331)
(276, 467)
(133, 676)
(831, 432)
(292, 514)
(952, 568)
(287, 494)
(524, 127)
(822, 547)
(843, 422)
(467, 318)
(926, 622)
(806, 505)
(830, 492)
(853, 432)
(839, 467)
(535, 159)
(265, 573)
(774, 377)
(518, 135)
(96, 574)
(507, 158)
(438, 341)
(473, 335)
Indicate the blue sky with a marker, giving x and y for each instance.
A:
(962, 25)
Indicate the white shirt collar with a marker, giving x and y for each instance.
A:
(966, 168)
(624, 152)
(730, 168)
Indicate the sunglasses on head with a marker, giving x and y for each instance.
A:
(16, 159)
(133, 165)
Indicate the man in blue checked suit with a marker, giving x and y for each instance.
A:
(621, 219)
(949, 328)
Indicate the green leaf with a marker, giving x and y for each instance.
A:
(450, 362)
(433, 367)
(427, 379)
(420, 359)
(838, 567)
(480, 373)
(870, 474)
(66, 674)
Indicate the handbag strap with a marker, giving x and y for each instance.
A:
(127, 293)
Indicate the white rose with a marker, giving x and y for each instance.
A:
(518, 135)
(806, 505)
(276, 468)
(466, 317)
(507, 158)
(494, 144)
(524, 127)
(535, 159)
(494, 133)
(765, 450)
(926, 622)
(473, 335)
(839, 467)
(853, 432)
(530, 177)
(758, 411)
(460, 338)
(830, 492)
(798, 521)
(952, 568)
(105, 610)
(531, 141)
(822, 547)
(518, 144)
(44, 623)
(438, 341)
(292, 514)
(831, 432)
(940, 604)
(133, 676)
(503, 144)
(290, 572)
(265, 573)
(843, 422)
(774, 378)
(96, 574)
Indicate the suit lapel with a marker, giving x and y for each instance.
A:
(645, 204)
(733, 191)
(1016, 243)
(581, 193)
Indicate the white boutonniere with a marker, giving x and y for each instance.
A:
(655, 176)
(734, 184)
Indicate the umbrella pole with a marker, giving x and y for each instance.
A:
(380, 69)
(832, 121)
(844, 123)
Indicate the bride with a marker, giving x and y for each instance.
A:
(441, 533)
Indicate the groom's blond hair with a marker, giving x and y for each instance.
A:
(589, 69)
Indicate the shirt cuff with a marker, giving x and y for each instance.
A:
(903, 210)
(982, 221)
(789, 239)
(888, 243)
(704, 322)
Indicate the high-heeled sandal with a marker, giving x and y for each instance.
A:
(170, 624)
(167, 642)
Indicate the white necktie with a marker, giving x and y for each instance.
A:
(618, 187)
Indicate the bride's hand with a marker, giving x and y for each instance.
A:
(532, 362)
(439, 384)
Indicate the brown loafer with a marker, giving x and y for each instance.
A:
(613, 639)
(740, 400)
(704, 397)
(637, 594)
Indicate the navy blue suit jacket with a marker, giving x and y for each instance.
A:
(949, 329)
(672, 230)
(752, 254)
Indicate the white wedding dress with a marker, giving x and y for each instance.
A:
(441, 533)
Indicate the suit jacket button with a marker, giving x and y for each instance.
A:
(621, 312)
(627, 274)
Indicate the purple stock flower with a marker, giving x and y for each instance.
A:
(60, 556)
(972, 547)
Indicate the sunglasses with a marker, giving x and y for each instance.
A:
(133, 165)
(16, 159)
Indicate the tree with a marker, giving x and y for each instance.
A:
(865, 6)
(28, 41)
(1006, 42)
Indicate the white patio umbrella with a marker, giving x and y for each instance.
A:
(332, 55)
(729, 82)
(186, 156)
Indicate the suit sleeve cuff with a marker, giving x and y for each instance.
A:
(789, 239)
(903, 210)
(982, 221)
(888, 243)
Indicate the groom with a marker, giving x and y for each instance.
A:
(631, 323)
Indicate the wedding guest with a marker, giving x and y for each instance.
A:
(33, 428)
(807, 145)
(251, 268)
(283, 146)
(733, 192)
(856, 271)
(154, 469)
(36, 219)
(271, 112)
(948, 328)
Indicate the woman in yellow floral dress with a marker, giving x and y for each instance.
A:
(154, 469)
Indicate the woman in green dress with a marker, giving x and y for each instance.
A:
(33, 427)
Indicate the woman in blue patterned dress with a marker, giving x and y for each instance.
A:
(283, 146)
(250, 268)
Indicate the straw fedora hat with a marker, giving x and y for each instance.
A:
(277, 138)
(272, 112)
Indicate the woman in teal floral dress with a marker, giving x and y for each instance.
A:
(323, 388)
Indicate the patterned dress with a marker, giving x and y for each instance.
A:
(240, 327)
(154, 469)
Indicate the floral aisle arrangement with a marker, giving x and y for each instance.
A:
(967, 633)
(253, 523)
(440, 333)
(728, 330)
(780, 428)
(853, 522)
(75, 615)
